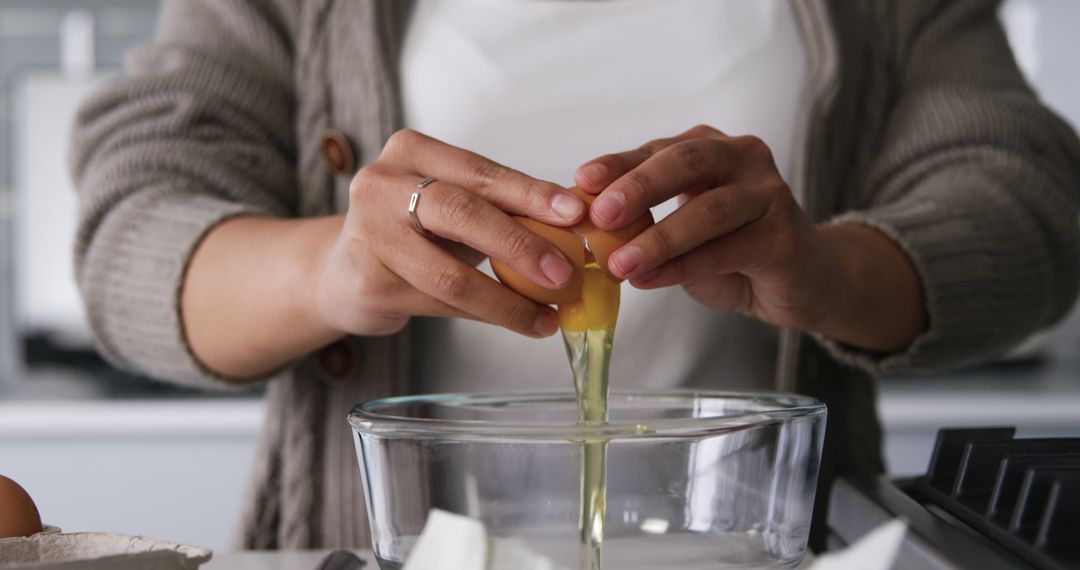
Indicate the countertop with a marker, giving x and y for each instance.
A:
(1041, 389)
(304, 560)
(277, 560)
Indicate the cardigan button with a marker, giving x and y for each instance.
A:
(338, 152)
(338, 361)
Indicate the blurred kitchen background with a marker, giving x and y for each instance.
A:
(100, 449)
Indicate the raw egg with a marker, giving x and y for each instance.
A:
(572, 243)
(18, 514)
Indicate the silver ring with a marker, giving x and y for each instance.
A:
(414, 201)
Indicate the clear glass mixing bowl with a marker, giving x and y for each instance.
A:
(695, 480)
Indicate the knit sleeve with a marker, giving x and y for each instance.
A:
(977, 182)
(198, 130)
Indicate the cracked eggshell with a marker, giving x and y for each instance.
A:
(98, 551)
(603, 243)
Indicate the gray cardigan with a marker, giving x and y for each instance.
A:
(918, 123)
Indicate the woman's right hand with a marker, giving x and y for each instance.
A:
(379, 271)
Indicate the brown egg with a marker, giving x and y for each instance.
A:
(569, 241)
(18, 514)
(569, 244)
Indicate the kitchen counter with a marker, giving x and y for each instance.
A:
(171, 469)
(302, 560)
(1038, 394)
(86, 419)
(277, 560)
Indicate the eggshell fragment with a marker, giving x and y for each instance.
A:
(564, 240)
(18, 514)
(603, 243)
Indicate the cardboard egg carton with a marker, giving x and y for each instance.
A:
(54, 550)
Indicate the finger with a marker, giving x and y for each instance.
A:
(709, 262)
(731, 253)
(685, 197)
(512, 191)
(731, 292)
(721, 291)
(435, 308)
(418, 304)
(415, 303)
(672, 272)
(595, 175)
(464, 217)
(439, 274)
(739, 252)
(684, 166)
(462, 251)
(704, 217)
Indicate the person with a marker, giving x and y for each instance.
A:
(875, 180)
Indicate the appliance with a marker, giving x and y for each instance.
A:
(988, 501)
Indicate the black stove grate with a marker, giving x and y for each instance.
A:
(1022, 493)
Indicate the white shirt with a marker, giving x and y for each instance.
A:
(545, 85)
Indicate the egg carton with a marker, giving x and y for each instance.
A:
(55, 550)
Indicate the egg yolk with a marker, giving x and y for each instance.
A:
(598, 308)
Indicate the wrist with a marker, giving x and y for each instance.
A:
(875, 300)
(245, 301)
(315, 276)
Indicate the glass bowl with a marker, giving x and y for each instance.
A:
(695, 479)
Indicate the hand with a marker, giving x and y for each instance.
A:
(740, 242)
(379, 271)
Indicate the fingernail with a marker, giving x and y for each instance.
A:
(625, 260)
(567, 206)
(555, 268)
(595, 172)
(608, 206)
(547, 323)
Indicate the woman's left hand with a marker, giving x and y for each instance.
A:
(739, 241)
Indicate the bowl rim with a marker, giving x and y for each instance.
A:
(366, 419)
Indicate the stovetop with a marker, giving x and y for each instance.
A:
(988, 501)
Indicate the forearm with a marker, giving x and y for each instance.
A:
(248, 302)
(876, 301)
